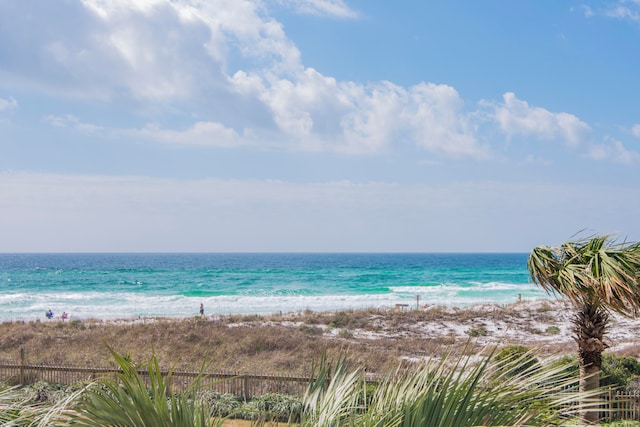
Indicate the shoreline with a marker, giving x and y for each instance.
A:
(217, 313)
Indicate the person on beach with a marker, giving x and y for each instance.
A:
(49, 314)
(64, 316)
(201, 309)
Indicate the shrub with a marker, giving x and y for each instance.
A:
(546, 307)
(520, 353)
(43, 391)
(273, 406)
(310, 330)
(569, 362)
(77, 324)
(340, 320)
(345, 333)
(618, 370)
(480, 331)
(552, 330)
(219, 404)
(366, 396)
(348, 319)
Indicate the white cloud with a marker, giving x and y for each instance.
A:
(614, 151)
(617, 9)
(516, 117)
(428, 115)
(7, 104)
(635, 131)
(155, 50)
(330, 8)
(348, 117)
(73, 122)
(201, 133)
(625, 10)
(588, 12)
(230, 65)
(174, 56)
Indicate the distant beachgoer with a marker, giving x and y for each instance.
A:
(201, 309)
(49, 314)
(64, 315)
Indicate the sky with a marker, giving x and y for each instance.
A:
(317, 125)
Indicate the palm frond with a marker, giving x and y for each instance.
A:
(127, 400)
(332, 394)
(594, 271)
(458, 391)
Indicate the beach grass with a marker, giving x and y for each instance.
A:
(287, 344)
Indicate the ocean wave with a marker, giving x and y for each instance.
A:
(470, 286)
(109, 286)
(134, 305)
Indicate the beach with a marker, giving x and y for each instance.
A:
(377, 339)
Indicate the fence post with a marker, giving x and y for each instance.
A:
(245, 387)
(21, 376)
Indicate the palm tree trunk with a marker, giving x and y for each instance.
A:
(590, 380)
(590, 325)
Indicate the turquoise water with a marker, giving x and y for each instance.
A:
(108, 286)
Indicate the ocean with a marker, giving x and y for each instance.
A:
(132, 285)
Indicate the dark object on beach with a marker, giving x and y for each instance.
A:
(49, 314)
(201, 309)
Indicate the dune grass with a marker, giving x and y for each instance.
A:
(278, 344)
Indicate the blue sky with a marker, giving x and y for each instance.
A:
(317, 125)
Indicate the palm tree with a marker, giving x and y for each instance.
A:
(598, 276)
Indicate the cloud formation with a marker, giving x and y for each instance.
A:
(7, 104)
(328, 8)
(615, 151)
(73, 122)
(517, 117)
(229, 66)
(201, 133)
(625, 10)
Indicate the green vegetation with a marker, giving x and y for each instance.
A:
(480, 331)
(619, 370)
(552, 330)
(345, 333)
(455, 391)
(128, 401)
(597, 276)
(274, 407)
(518, 356)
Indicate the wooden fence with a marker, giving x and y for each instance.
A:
(238, 384)
(616, 405)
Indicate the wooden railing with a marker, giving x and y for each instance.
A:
(616, 405)
(239, 384)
